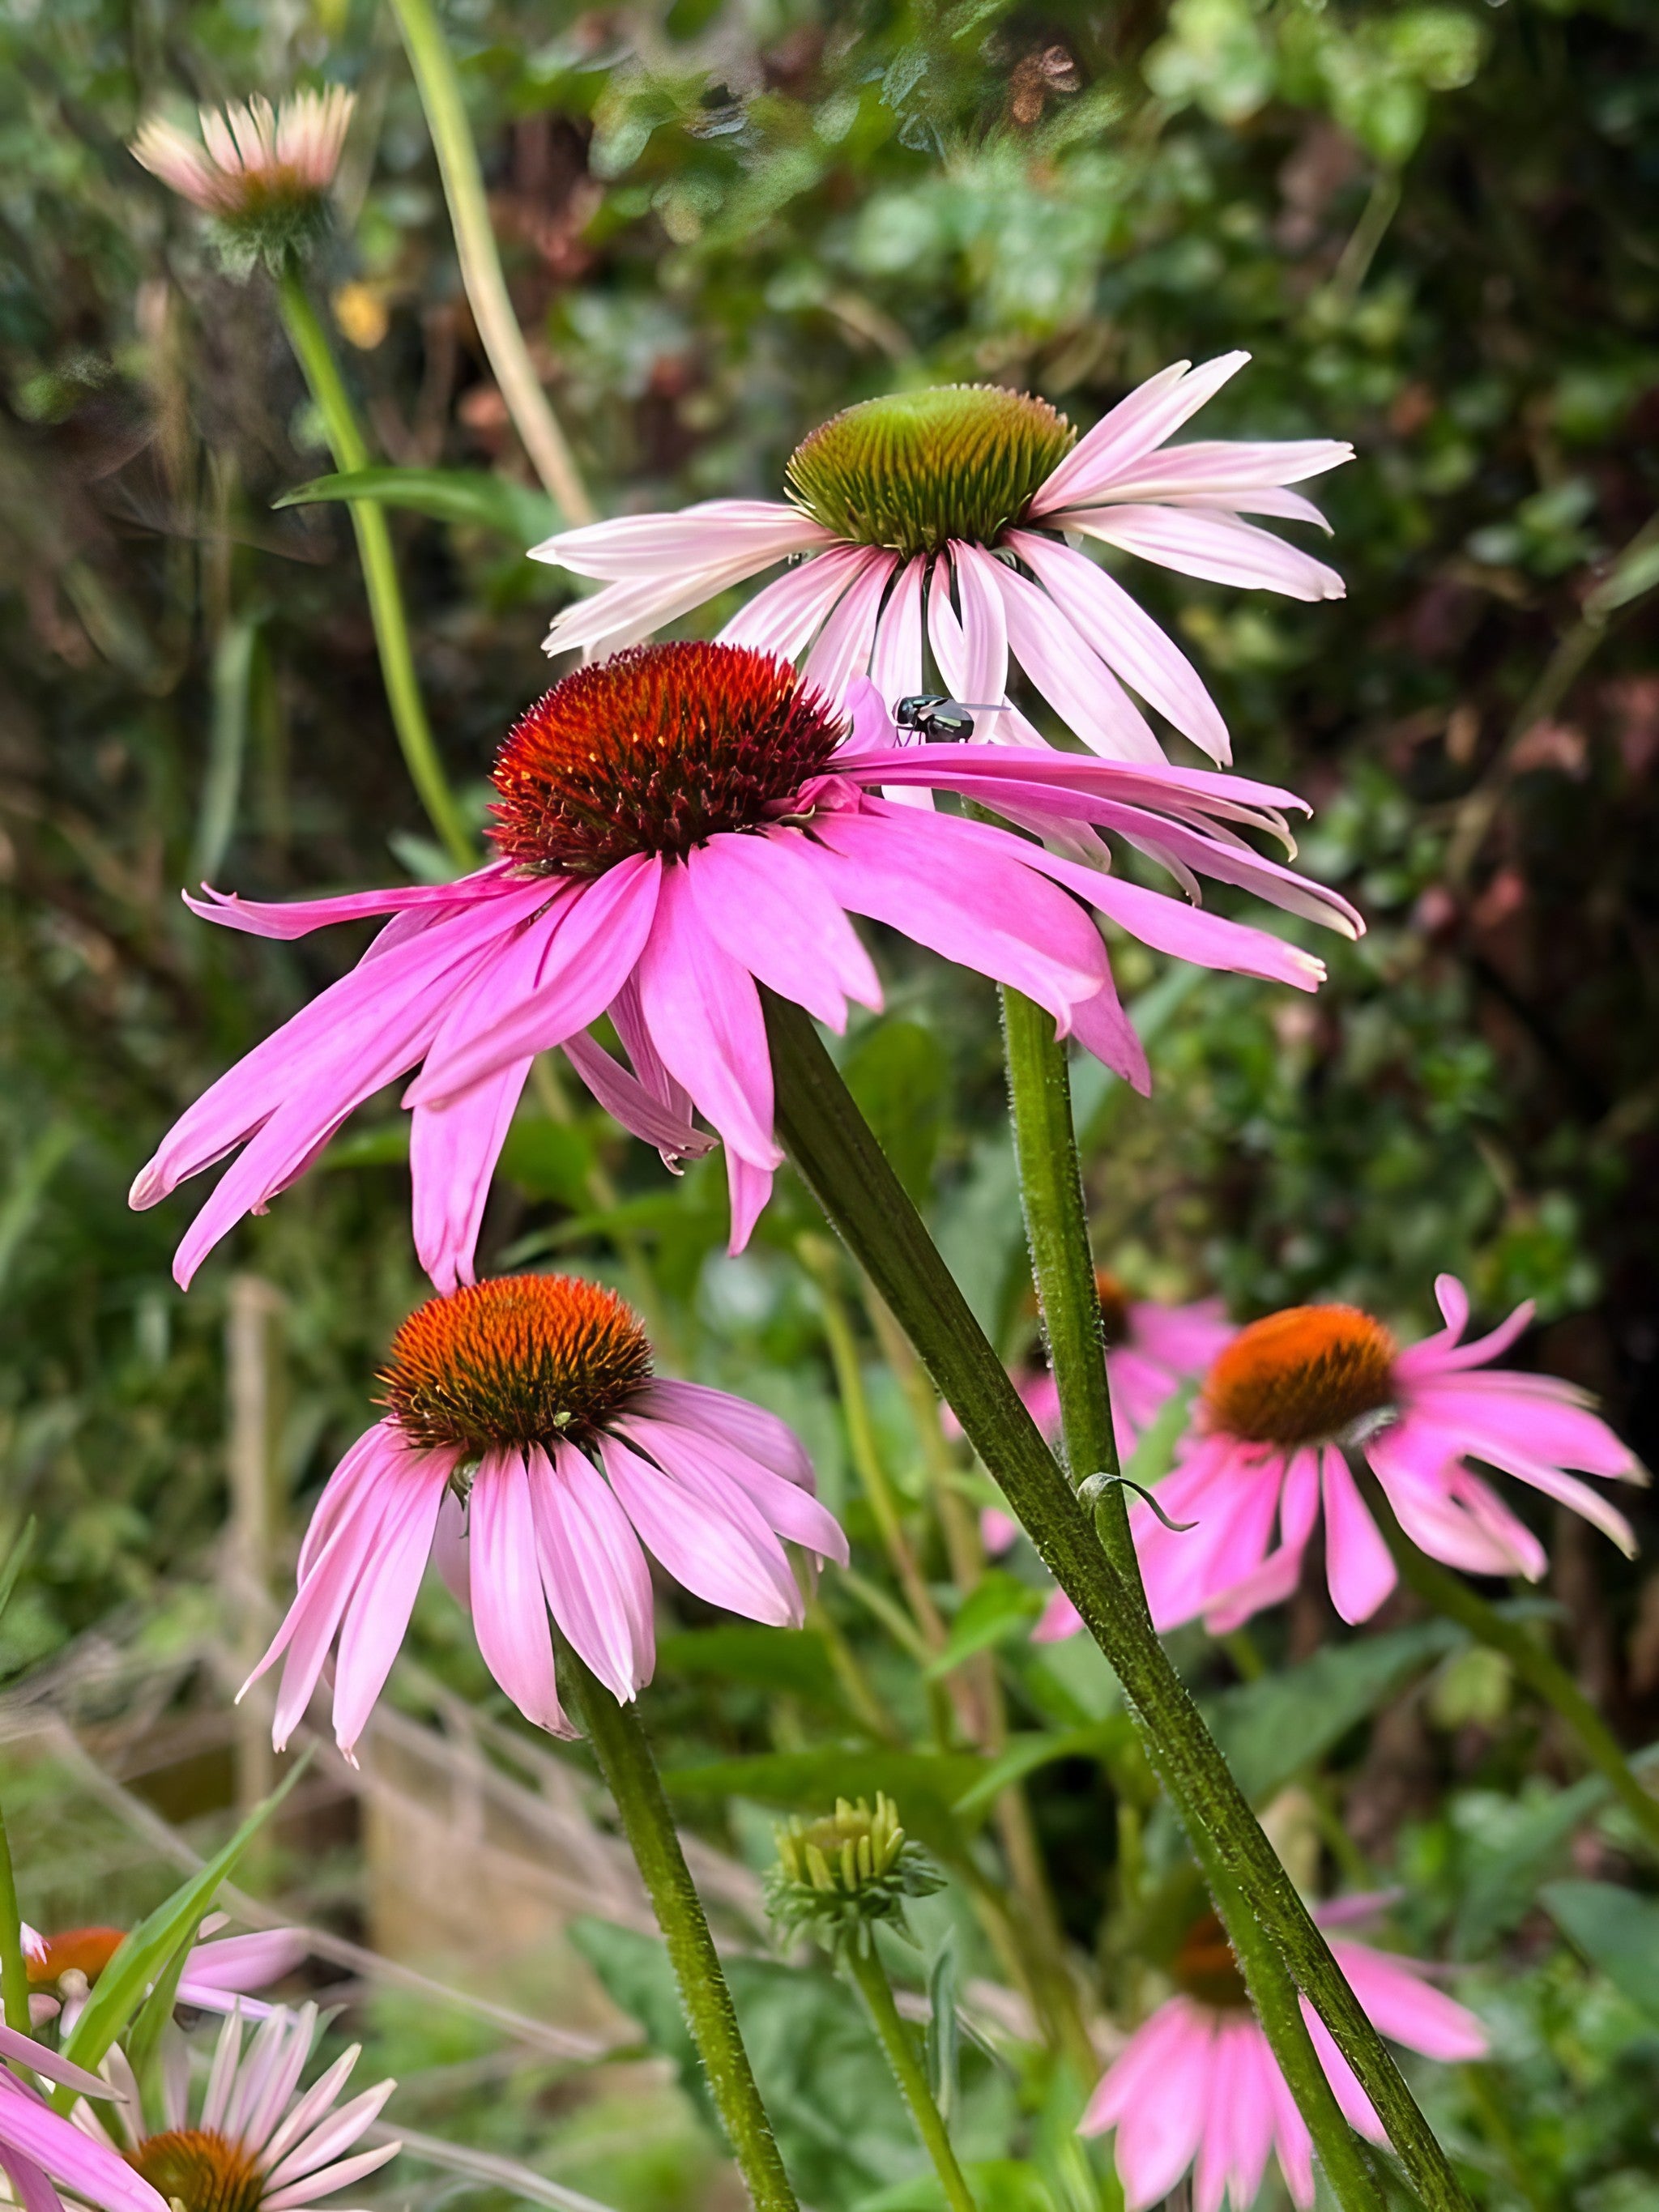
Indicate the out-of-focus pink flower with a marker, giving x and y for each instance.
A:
(41, 2152)
(217, 1975)
(259, 2143)
(675, 828)
(1198, 2085)
(944, 516)
(1151, 1350)
(531, 1398)
(1266, 1453)
(254, 159)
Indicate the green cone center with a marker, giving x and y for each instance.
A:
(915, 470)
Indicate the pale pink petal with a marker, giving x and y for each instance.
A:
(91, 2170)
(509, 1613)
(764, 901)
(451, 1553)
(787, 1509)
(1071, 675)
(622, 614)
(246, 1962)
(30, 2188)
(1126, 638)
(377, 1615)
(983, 621)
(748, 1189)
(626, 1099)
(704, 1016)
(751, 1429)
(997, 1532)
(1292, 2143)
(329, 2180)
(784, 618)
(1206, 542)
(844, 647)
(1357, 1565)
(704, 536)
(1218, 469)
(703, 1549)
(1059, 1618)
(1161, 2129)
(1152, 413)
(1357, 2107)
(24, 2049)
(596, 1581)
(1406, 2007)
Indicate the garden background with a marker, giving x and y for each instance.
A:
(1434, 227)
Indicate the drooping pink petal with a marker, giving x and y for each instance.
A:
(704, 1016)
(982, 622)
(452, 1150)
(1101, 1026)
(1356, 2106)
(1357, 1565)
(763, 900)
(509, 1612)
(1071, 675)
(23, 2049)
(292, 918)
(787, 1509)
(749, 1428)
(90, 2169)
(377, 1613)
(703, 1550)
(1218, 547)
(748, 1189)
(31, 2190)
(844, 644)
(1160, 2132)
(1126, 638)
(626, 1100)
(597, 1581)
(784, 618)
(1292, 2144)
(1406, 2007)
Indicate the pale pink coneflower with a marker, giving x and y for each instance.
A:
(674, 828)
(41, 2152)
(217, 1974)
(1151, 1350)
(941, 519)
(263, 174)
(258, 2142)
(531, 1398)
(1267, 1446)
(1198, 2084)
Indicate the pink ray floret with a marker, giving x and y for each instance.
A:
(531, 1397)
(892, 557)
(678, 829)
(41, 2152)
(249, 154)
(1197, 2085)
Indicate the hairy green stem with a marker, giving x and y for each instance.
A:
(624, 1756)
(1062, 1266)
(481, 263)
(862, 1196)
(385, 603)
(14, 1967)
(1448, 1594)
(870, 1977)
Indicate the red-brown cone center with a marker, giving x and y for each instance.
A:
(1205, 1967)
(656, 751)
(202, 2171)
(517, 1360)
(78, 1950)
(1301, 1376)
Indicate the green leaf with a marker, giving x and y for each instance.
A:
(461, 495)
(926, 1786)
(1616, 1930)
(944, 2028)
(1271, 1728)
(549, 1159)
(995, 1609)
(1505, 1877)
(1040, 1747)
(16, 1560)
(795, 1661)
(144, 1956)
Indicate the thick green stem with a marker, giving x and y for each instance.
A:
(1447, 1594)
(863, 1199)
(481, 263)
(1062, 1266)
(619, 1744)
(14, 1967)
(870, 1975)
(385, 603)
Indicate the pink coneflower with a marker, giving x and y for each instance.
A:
(41, 2152)
(1151, 1349)
(1198, 2082)
(677, 827)
(531, 1397)
(217, 1976)
(258, 2144)
(973, 489)
(263, 174)
(1267, 1447)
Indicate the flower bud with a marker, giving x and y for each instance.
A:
(836, 1877)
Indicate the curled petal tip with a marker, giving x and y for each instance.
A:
(148, 1188)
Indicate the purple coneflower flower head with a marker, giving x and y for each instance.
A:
(1266, 1455)
(40, 2152)
(675, 828)
(940, 519)
(216, 1978)
(263, 174)
(258, 2144)
(1198, 2085)
(532, 1399)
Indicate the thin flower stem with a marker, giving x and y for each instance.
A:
(481, 263)
(350, 452)
(852, 1180)
(870, 1977)
(624, 1756)
(1062, 1265)
(1448, 1595)
(14, 1967)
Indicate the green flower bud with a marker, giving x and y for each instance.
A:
(836, 1877)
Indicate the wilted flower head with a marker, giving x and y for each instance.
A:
(263, 174)
(836, 1877)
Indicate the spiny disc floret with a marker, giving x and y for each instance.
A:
(916, 468)
(657, 751)
(1304, 1376)
(835, 1876)
(200, 2170)
(517, 1360)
